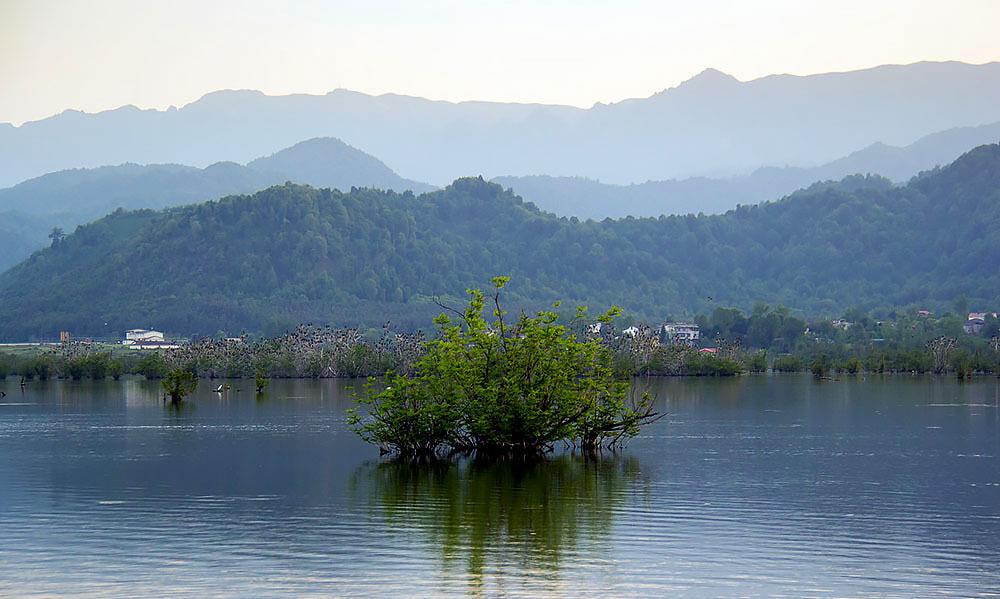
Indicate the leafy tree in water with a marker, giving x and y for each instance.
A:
(260, 381)
(820, 366)
(179, 383)
(503, 387)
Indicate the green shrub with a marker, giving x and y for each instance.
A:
(705, 364)
(788, 364)
(502, 388)
(37, 367)
(852, 366)
(758, 362)
(75, 368)
(820, 366)
(179, 383)
(151, 366)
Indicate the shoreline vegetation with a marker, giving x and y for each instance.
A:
(768, 339)
(357, 357)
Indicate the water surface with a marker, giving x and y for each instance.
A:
(757, 486)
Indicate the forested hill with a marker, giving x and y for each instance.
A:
(293, 253)
(29, 210)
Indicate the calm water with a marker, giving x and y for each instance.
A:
(775, 486)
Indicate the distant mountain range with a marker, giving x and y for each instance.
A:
(29, 210)
(586, 198)
(710, 125)
(295, 253)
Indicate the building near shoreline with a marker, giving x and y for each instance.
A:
(133, 336)
(680, 332)
(976, 321)
(147, 339)
(153, 345)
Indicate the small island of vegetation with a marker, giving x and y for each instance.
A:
(501, 388)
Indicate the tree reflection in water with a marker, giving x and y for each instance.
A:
(510, 513)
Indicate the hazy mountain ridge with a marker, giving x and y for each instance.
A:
(329, 162)
(293, 253)
(710, 124)
(586, 198)
(72, 197)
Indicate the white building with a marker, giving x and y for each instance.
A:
(841, 324)
(142, 336)
(977, 321)
(680, 332)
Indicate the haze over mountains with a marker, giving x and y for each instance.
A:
(29, 210)
(293, 253)
(586, 198)
(711, 124)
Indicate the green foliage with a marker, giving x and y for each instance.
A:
(502, 387)
(75, 368)
(39, 367)
(56, 235)
(260, 381)
(961, 364)
(788, 364)
(179, 383)
(151, 366)
(297, 254)
(852, 366)
(758, 362)
(703, 364)
(820, 366)
(116, 369)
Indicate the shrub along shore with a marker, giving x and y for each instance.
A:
(766, 340)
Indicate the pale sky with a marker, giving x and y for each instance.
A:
(103, 54)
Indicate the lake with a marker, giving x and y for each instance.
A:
(753, 486)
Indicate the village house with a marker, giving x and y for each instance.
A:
(147, 339)
(134, 336)
(976, 321)
(680, 332)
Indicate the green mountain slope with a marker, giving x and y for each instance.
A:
(293, 253)
(72, 197)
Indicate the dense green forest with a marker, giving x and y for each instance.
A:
(294, 253)
(29, 210)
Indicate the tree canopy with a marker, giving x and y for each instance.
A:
(291, 254)
(503, 386)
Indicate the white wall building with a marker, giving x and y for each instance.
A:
(680, 332)
(141, 336)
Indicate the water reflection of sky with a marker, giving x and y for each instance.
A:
(760, 485)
